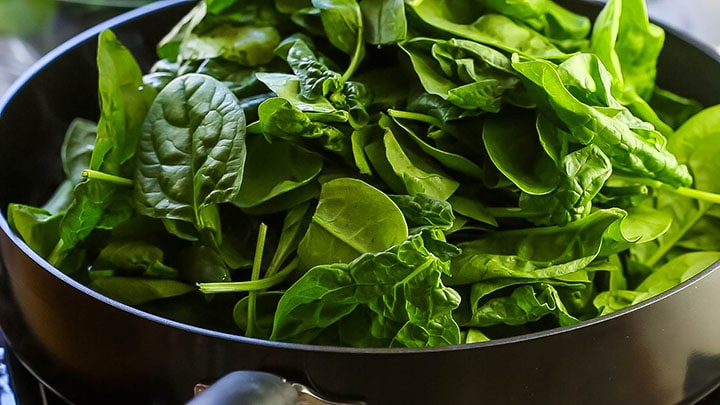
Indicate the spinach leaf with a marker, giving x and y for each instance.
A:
(169, 46)
(351, 218)
(384, 21)
(590, 124)
(202, 264)
(260, 12)
(472, 208)
(288, 87)
(75, 155)
(342, 21)
(282, 119)
(192, 152)
(291, 6)
(424, 211)
(239, 79)
(450, 160)
(236, 31)
(466, 73)
(123, 105)
(542, 252)
(292, 167)
(295, 224)
(133, 257)
(316, 79)
(631, 57)
(512, 144)
(686, 213)
(673, 108)
(324, 295)
(526, 303)
(583, 174)
(136, 291)
(699, 129)
(464, 20)
(77, 147)
(545, 16)
(664, 278)
(418, 174)
(248, 45)
(36, 226)
(399, 290)
(265, 306)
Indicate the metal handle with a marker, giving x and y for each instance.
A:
(258, 388)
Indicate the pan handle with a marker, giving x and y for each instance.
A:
(258, 388)
(248, 388)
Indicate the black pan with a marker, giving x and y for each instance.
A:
(93, 350)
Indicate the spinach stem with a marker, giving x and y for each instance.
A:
(683, 191)
(358, 54)
(257, 264)
(693, 193)
(106, 177)
(428, 119)
(253, 285)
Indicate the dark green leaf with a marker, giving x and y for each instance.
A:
(192, 151)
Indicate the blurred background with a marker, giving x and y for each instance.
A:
(30, 28)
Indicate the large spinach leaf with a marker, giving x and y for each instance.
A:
(192, 152)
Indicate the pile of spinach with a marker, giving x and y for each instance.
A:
(382, 173)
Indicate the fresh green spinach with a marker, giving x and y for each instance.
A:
(386, 173)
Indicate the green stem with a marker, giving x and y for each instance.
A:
(253, 285)
(358, 54)
(693, 193)
(255, 275)
(106, 177)
(428, 119)
(683, 191)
